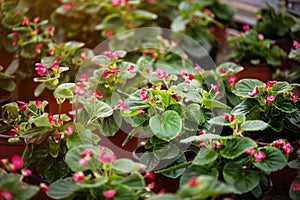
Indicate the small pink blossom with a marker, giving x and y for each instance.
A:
(218, 144)
(246, 27)
(55, 66)
(194, 181)
(38, 48)
(18, 12)
(6, 195)
(84, 77)
(69, 130)
(296, 186)
(231, 80)
(17, 162)
(109, 33)
(41, 69)
(51, 119)
(270, 84)
(143, 94)
(151, 1)
(78, 176)
(83, 162)
(250, 151)
(259, 156)
(131, 68)
(50, 30)
(26, 21)
(201, 144)
(229, 117)
(51, 52)
(107, 157)
(116, 2)
(254, 92)
(295, 98)
(87, 153)
(184, 56)
(109, 194)
(44, 187)
(296, 44)
(97, 94)
(222, 70)
(270, 99)
(122, 105)
(150, 175)
(191, 77)
(141, 112)
(215, 87)
(285, 146)
(261, 36)
(162, 74)
(14, 43)
(26, 172)
(36, 20)
(23, 106)
(38, 103)
(207, 11)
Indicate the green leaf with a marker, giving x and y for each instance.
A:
(254, 125)
(245, 86)
(208, 187)
(110, 125)
(148, 159)
(73, 156)
(230, 65)
(95, 183)
(274, 160)
(195, 113)
(179, 24)
(164, 197)
(209, 103)
(190, 92)
(167, 151)
(41, 121)
(167, 126)
(286, 106)
(167, 98)
(205, 156)
(97, 109)
(200, 138)
(194, 170)
(281, 87)
(64, 91)
(58, 189)
(125, 166)
(244, 180)
(143, 14)
(237, 146)
(219, 120)
(134, 181)
(135, 103)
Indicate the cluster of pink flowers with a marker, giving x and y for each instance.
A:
(111, 72)
(42, 70)
(122, 105)
(259, 156)
(229, 117)
(143, 94)
(80, 89)
(284, 145)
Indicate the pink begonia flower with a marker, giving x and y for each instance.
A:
(50, 30)
(254, 92)
(6, 195)
(18, 12)
(38, 103)
(36, 20)
(231, 80)
(295, 98)
(285, 146)
(296, 186)
(55, 66)
(23, 106)
(131, 68)
(78, 176)
(150, 175)
(296, 44)
(86, 152)
(141, 111)
(14, 43)
(84, 77)
(207, 11)
(259, 156)
(270, 99)
(26, 172)
(143, 94)
(270, 84)
(109, 33)
(222, 70)
(97, 94)
(250, 151)
(17, 162)
(44, 187)
(51, 119)
(151, 1)
(26, 21)
(51, 52)
(194, 181)
(107, 157)
(218, 144)
(191, 77)
(116, 2)
(229, 117)
(261, 36)
(246, 27)
(38, 48)
(162, 74)
(122, 105)
(109, 193)
(184, 56)
(41, 69)
(83, 161)
(69, 130)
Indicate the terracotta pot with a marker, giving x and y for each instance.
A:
(220, 33)
(6, 58)
(7, 150)
(262, 72)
